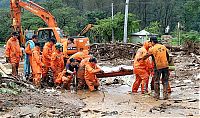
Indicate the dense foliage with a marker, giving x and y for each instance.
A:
(73, 15)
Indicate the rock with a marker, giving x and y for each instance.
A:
(77, 114)
(193, 100)
(177, 100)
(180, 85)
(109, 113)
(196, 86)
(198, 76)
(190, 114)
(151, 110)
(177, 81)
(51, 113)
(97, 111)
(187, 81)
(38, 105)
(87, 110)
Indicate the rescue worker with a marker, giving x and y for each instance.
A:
(153, 78)
(161, 59)
(46, 56)
(79, 55)
(37, 65)
(90, 74)
(81, 72)
(57, 62)
(68, 74)
(140, 69)
(30, 44)
(70, 41)
(13, 53)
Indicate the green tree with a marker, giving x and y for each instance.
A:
(31, 22)
(153, 27)
(5, 21)
(69, 19)
(192, 15)
(103, 29)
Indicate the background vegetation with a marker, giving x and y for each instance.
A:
(73, 15)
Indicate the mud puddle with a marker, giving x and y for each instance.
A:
(117, 101)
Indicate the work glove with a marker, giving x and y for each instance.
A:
(7, 59)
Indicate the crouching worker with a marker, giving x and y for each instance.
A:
(90, 74)
(65, 78)
(81, 73)
(37, 65)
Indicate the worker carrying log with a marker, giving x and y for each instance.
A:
(91, 69)
(161, 59)
(141, 69)
(46, 56)
(37, 65)
(13, 53)
(30, 44)
(57, 62)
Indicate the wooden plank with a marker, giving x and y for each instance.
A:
(120, 73)
(114, 74)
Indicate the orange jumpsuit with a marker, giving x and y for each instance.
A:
(81, 72)
(14, 53)
(46, 57)
(140, 70)
(159, 53)
(79, 55)
(61, 78)
(37, 65)
(65, 47)
(90, 76)
(57, 63)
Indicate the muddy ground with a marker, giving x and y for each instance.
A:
(114, 98)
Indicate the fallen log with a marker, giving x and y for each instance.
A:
(114, 74)
(122, 71)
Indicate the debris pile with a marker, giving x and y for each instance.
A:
(106, 52)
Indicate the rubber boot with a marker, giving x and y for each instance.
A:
(165, 91)
(157, 90)
(152, 83)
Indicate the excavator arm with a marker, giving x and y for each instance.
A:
(85, 29)
(40, 12)
(16, 5)
(15, 9)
